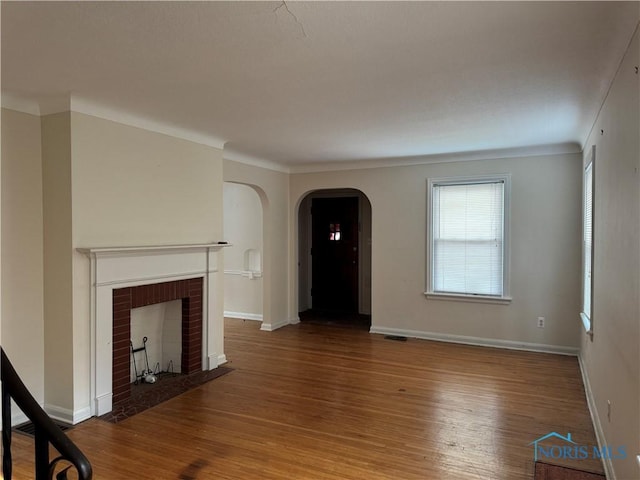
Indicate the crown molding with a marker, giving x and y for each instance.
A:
(66, 103)
(87, 107)
(230, 154)
(17, 103)
(531, 151)
(48, 106)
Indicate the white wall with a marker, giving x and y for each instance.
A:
(172, 337)
(242, 261)
(22, 248)
(161, 323)
(611, 362)
(273, 189)
(545, 262)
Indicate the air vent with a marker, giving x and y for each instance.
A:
(29, 428)
(397, 338)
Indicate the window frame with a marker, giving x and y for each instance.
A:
(590, 163)
(505, 298)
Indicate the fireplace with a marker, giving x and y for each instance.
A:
(124, 299)
(123, 278)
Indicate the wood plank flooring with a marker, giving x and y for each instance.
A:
(329, 403)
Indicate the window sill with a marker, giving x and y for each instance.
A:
(468, 298)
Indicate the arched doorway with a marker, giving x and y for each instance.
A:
(334, 257)
(243, 261)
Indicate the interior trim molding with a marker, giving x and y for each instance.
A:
(231, 155)
(479, 341)
(496, 154)
(244, 316)
(17, 103)
(595, 419)
(270, 327)
(86, 107)
(250, 274)
(72, 417)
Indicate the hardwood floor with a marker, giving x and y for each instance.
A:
(321, 402)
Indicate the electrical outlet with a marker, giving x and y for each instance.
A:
(540, 322)
(609, 410)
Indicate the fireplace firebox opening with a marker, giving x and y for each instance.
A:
(190, 291)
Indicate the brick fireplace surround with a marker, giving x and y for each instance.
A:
(124, 299)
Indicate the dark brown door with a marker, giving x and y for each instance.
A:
(334, 252)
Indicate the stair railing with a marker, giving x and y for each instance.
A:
(46, 432)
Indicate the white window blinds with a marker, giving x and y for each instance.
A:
(468, 238)
(587, 240)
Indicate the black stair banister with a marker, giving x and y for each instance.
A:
(46, 432)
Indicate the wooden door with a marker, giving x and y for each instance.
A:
(334, 251)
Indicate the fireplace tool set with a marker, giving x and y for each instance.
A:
(147, 375)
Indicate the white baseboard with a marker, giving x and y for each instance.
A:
(57, 413)
(103, 404)
(270, 327)
(244, 316)
(595, 420)
(295, 321)
(212, 362)
(483, 342)
(66, 415)
(81, 415)
(222, 359)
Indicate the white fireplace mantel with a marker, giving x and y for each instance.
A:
(134, 264)
(119, 267)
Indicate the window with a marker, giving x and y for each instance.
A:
(334, 232)
(468, 238)
(587, 243)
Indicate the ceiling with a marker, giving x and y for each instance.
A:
(300, 83)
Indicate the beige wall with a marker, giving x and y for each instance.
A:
(22, 248)
(243, 229)
(545, 263)
(58, 294)
(612, 361)
(273, 189)
(136, 187)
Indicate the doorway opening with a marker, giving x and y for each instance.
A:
(243, 213)
(335, 258)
